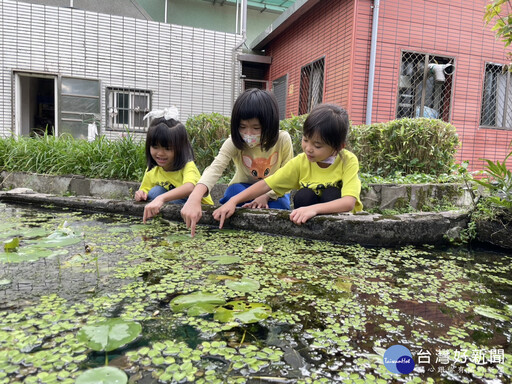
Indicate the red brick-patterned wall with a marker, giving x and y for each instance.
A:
(340, 31)
(325, 31)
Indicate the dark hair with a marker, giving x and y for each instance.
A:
(259, 104)
(170, 134)
(330, 122)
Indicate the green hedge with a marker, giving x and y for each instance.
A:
(403, 146)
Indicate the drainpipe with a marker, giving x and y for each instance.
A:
(373, 53)
(243, 27)
(165, 11)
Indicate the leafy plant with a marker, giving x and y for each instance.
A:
(498, 182)
(500, 11)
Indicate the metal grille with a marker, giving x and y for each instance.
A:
(496, 99)
(425, 86)
(311, 86)
(126, 109)
(279, 86)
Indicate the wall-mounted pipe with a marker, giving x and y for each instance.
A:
(165, 11)
(243, 27)
(373, 53)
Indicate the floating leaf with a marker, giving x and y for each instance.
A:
(5, 282)
(110, 334)
(102, 375)
(342, 285)
(31, 253)
(244, 285)
(242, 311)
(490, 312)
(224, 260)
(197, 302)
(259, 249)
(11, 244)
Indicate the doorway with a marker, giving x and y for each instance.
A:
(36, 104)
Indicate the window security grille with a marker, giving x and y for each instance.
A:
(496, 98)
(425, 86)
(279, 87)
(311, 86)
(126, 109)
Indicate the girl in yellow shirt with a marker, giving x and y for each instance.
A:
(171, 173)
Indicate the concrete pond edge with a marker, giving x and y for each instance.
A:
(362, 228)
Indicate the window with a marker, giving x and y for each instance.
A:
(425, 86)
(311, 86)
(496, 99)
(279, 87)
(79, 105)
(126, 109)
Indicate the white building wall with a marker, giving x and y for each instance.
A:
(189, 67)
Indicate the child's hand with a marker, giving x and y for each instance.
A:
(222, 213)
(141, 196)
(152, 209)
(301, 215)
(259, 202)
(191, 214)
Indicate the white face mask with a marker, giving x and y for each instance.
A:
(330, 160)
(251, 140)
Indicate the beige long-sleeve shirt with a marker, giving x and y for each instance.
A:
(251, 164)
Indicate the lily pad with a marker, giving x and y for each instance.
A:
(196, 303)
(490, 312)
(224, 260)
(110, 334)
(102, 375)
(31, 253)
(11, 244)
(242, 311)
(245, 284)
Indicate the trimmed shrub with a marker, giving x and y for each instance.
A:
(405, 146)
(207, 132)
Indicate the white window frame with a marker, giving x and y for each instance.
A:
(134, 111)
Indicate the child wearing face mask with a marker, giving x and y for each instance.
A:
(256, 146)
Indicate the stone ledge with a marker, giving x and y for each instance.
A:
(362, 228)
(382, 196)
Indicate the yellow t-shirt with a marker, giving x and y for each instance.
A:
(173, 179)
(251, 164)
(299, 173)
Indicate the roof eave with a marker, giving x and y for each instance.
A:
(286, 19)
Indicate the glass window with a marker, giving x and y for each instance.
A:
(126, 109)
(311, 86)
(496, 99)
(425, 86)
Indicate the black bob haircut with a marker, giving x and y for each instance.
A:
(259, 104)
(170, 134)
(330, 122)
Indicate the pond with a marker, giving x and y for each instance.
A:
(241, 307)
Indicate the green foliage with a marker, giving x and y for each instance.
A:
(499, 11)
(406, 150)
(207, 133)
(122, 159)
(498, 182)
(293, 126)
(405, 146)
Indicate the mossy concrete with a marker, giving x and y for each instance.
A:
(377, 196)
(363, 228)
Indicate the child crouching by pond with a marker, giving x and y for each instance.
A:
(171, 173)
(325, 175)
